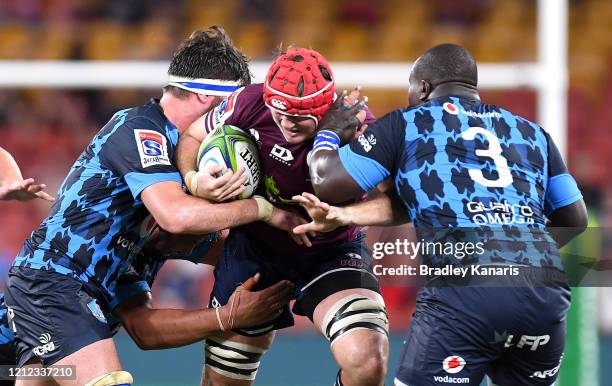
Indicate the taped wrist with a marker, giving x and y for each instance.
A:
(324, 140)
(264, 208)
(191, 181)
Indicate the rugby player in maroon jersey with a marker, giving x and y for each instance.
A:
(332, 272)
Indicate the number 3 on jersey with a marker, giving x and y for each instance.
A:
(494, 152)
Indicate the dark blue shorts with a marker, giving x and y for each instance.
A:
(53, 315)
(514, 334)
(315, 274)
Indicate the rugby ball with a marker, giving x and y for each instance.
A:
(231, 148)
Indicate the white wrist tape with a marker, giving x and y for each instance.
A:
(192, 184)
(264, 208)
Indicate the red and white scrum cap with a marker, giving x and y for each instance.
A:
(300, 82)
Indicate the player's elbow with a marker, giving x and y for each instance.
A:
(146, 343)
(172, 221)
(182, 221)
(582, 221)
(140, 334)
(143, 342)
(579, 217)
(320, 178)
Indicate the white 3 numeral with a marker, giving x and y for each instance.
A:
(494, 152)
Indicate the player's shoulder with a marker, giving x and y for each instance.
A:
(423, 111)
(244, 104)
(393, 117)
(246, 97)
(149, 115)
(529, 130)
(147, 120)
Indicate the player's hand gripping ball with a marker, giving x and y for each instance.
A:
(231, 148)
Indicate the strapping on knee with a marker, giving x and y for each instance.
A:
(355, 312)
(338, 379)
(232, 359)
(114, 378)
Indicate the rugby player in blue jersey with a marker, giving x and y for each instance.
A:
(467, 171)
(125, 178)
(132, 308)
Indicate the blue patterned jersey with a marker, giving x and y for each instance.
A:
(99, 222)
(466, 170)
(141, 274)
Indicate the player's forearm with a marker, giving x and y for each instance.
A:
(381, 210)
(197, 216)
(186, 153)
(9, 170)
(177, 212)
(165, 328)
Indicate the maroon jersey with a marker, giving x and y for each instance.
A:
(283, 165)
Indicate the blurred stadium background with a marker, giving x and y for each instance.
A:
(46, 128)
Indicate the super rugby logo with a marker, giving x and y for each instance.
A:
(46, 346)
(453, 364)
(152, 148)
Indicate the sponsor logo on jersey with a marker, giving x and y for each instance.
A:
(533, 341)
(447, 379)
(543, 374)
(223, 111)
(453, 364)
(223, 105)
(46, 347)
(454, 110)
(145, 231)
(131, 246)
(278, 104)
(152, 147)
(281, 154)
(450, 108)
(367, 142)
(96, 311)
(500, 213)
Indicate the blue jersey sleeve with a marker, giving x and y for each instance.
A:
(141, 152)
(561, 188)
(130, 283)
(198, 251)
(374, 156)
